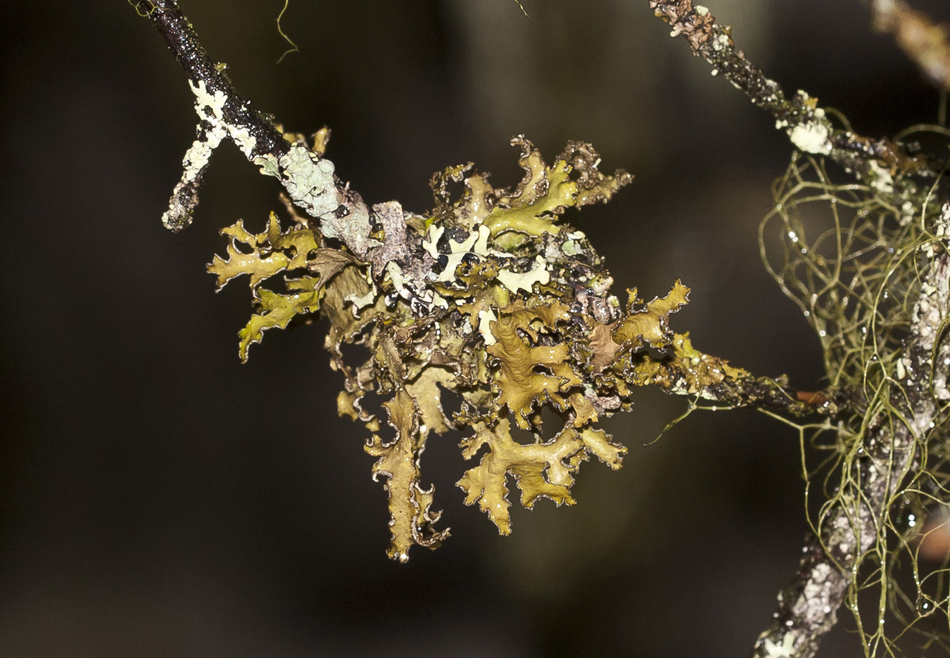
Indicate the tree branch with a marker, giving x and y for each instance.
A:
(850, 525)
(806, 124)
(308, 178)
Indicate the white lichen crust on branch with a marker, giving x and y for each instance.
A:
(223, 113)
(874, 281)
(211, 131)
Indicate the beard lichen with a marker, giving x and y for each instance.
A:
(867, 266)
(489, 297)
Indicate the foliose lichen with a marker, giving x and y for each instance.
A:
(489, 297)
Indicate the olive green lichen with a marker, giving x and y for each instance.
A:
(491, 298)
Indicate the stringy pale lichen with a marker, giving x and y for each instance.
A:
(860, 260)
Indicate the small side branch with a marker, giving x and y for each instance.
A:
(742, 390)
(184, 199)
(309, 178)
(221, 110)
(806, 124)
(204, 73)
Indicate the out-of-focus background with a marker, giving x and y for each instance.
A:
(157, 498)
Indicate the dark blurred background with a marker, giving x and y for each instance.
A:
(157, 498)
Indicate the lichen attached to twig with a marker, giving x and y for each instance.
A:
(490, 297)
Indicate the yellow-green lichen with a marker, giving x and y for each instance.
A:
(511, 313)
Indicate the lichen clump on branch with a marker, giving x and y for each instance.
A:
(489, 297)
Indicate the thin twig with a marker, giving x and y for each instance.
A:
(199, 67)
(308, 178)
(806, 124)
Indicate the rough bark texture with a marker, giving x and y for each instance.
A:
(800, 116)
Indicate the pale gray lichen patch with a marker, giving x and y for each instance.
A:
(359, 303)
(439, 301)
(395, 275)
(457, 251)
(311, 184)
(784, 650)
(212, 129)
(353, 229)
(199, 154)
(268, 164)
(185, 195)
(208, 106)
(880, 178)
(309, 181)
(811, 137)
(485, 319)
(476, 244)
(721, 42)
(243, 139)
(431, 241)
